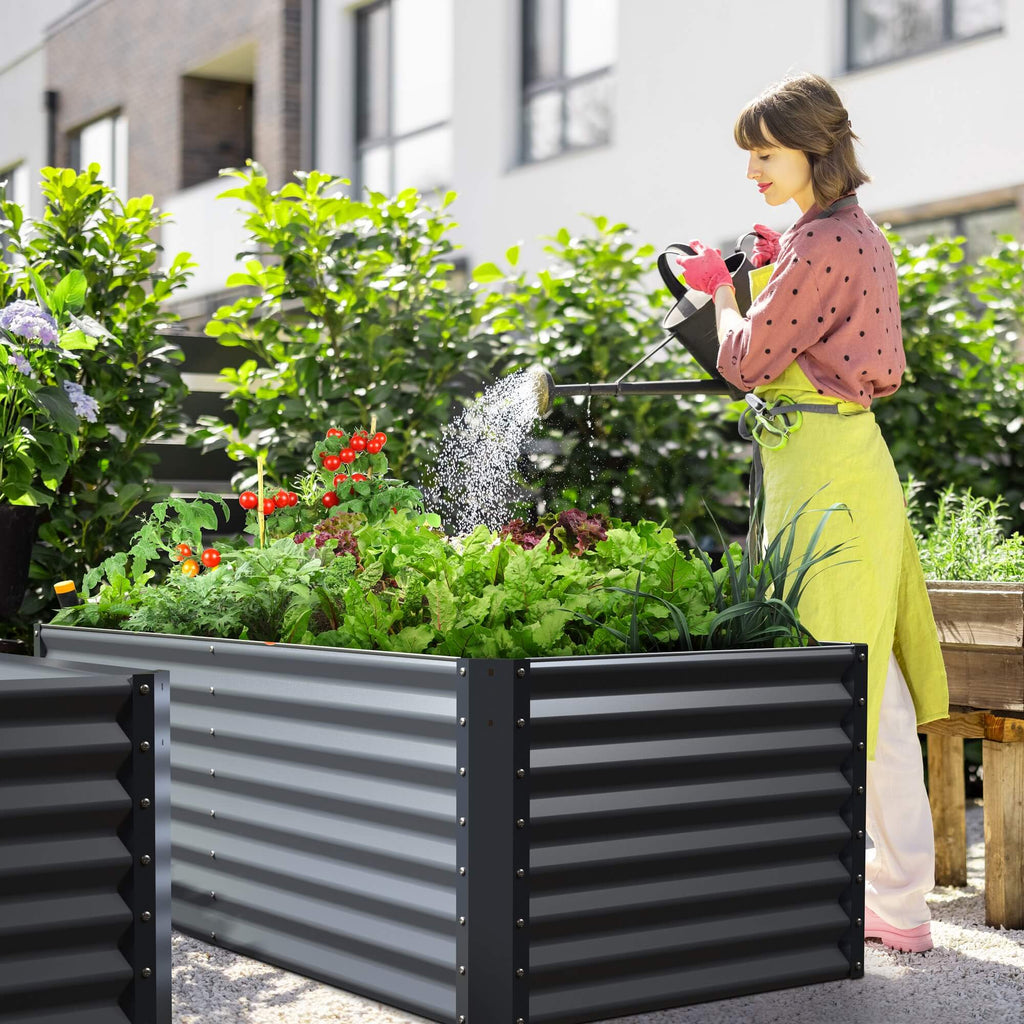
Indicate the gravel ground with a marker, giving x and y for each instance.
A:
(975, 973)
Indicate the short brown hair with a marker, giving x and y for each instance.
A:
(806, 113)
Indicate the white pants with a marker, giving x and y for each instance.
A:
(901, 867)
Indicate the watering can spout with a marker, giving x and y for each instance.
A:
(543, 386)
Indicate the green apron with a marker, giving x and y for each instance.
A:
(878, 598)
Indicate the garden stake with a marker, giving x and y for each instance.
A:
(259, 505)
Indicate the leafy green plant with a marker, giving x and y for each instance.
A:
(348, 310)
(133, 373)
(965, 538)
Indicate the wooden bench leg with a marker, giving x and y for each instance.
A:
(1003, 767)
(946, 796)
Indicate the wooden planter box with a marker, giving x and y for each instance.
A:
(981, 630)
(551, 840)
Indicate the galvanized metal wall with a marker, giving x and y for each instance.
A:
(313, 806)
(84, 844)
(696, 828)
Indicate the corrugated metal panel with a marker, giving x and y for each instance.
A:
(72, 877)
(313, 806)
(693, 828)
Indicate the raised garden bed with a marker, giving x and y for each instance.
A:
(547, 840)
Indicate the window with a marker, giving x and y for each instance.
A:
(14, 181)
(404, 95)
(104, 142)
(569, 49)
(979, 227)
(882, 30)
(216, 127)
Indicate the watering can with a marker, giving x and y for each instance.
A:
(690, 321)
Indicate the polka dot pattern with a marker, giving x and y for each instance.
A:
(843, 284)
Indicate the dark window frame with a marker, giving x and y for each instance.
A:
(74, 145)
(959, 219)
(390, 139)
(948, 39)
(561, 85)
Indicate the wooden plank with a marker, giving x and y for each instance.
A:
(1004, 730)
(991, 679)
(970, 725)
(948, 804)
(978, 613)
(1004, 833)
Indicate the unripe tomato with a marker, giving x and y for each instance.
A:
(247, 499)
(332, 462)
(211, 558)
(330, 499)
(281, 499)
(358, 443)
(181, 551)
(340, 478)
(347, 455)
(335, 432)
(268, 506)
(190, 567)
(359, 476)
(373, 446)
(293, 499)
(381, 437)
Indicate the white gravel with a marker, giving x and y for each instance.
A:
(975, 973)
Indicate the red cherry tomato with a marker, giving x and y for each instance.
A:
(190, 567)
(293, 499)
(332, 462)
(330, 499)
(268, 506)
(358, 443)
(211, 558)
(347, 455)
(393, 509)
(247, 499)
(373, 446)
(335, 432)
(359, 476)
(182, 551)
(381, 437)
(281, 499)
(340, 478)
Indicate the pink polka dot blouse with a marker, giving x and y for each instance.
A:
(832, 304)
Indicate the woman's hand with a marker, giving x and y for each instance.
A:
(766, 248)
(706, 272)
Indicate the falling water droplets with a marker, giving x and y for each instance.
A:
(472, 478)
(590, 441)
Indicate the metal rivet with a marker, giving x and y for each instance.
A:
(147, 972)
(144, 802)
(462, 671)
(462, 771)
(212, 690)
(462, 970)
(146, 916)
(213, 895)
(862, 656)
(520, 923)
(462, 721)
(213, 771)
(519, 1020)
(213, 813)
(857, 966)
(861, 701)
(860, 922)
(213, 732)
(860, 878)
(462, 871)
(462, 920)
(213, 853)
(144, 688)
(860, 790)
(520, 723)
(520, 823)
(521, 773)
(211, 648)
(520, 873)
(462, 821)
(520, 672)
(462, 1018)
(860, 746)
(145, 859)
(520, 973)
(213, 936)
(144, 746)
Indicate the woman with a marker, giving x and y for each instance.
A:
(825, 333)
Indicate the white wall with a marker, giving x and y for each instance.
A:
(937, 126)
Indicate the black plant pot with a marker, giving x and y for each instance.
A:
(17, 535)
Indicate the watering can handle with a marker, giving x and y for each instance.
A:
(668, 268)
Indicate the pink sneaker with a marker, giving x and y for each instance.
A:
(905, 940)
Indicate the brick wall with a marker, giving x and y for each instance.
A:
(131, 55)
(216, 127)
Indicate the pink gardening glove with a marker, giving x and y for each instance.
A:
(706, 272)
(766, 248)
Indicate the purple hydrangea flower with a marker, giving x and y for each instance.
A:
(84, 405)
(28, 320)
(21, 363)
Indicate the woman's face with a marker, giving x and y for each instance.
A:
(781, 174)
